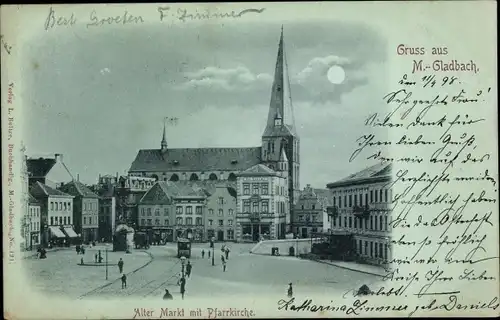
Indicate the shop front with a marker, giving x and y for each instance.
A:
(256, 231)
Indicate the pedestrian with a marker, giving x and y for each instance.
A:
(290, 290)
(81, 261)
(224, 265)
(222, 258)
(95, 257)
(209, 254)
(227, 253)
(183, 286)
(120, 265)
(189, 266)
(124, 281)
(202, 253)
(167, 295)
(77, 248)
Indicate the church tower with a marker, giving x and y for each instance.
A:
(280, 133)
(164, 138)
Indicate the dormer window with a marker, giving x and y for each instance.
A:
(277, 122)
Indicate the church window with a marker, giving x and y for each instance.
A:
(193, 177)
(174, 177)
(212, 176)
(231, 177)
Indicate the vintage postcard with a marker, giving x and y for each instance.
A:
(250, 160)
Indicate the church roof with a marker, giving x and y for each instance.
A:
(39, 189)
(380, 171)
(196, 159)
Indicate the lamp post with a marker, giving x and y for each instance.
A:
(213, 251)
(106, 261)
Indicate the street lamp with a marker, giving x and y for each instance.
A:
(213, 251)
(106, 261)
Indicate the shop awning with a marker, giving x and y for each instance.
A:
(70, 232)
(56, 232)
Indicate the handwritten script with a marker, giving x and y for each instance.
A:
(445, 184)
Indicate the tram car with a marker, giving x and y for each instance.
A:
(183, 248)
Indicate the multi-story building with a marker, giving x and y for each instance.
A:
(362, 206)
(85, 210)
(194, 164)
(24, 206)
(310, 213)
(171, 210)
(263, 210)
(220, 220)
(105, 189)
(56, 221)
(34, 209)
(128, 192)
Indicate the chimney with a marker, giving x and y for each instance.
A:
(78, 177)
(59, 157)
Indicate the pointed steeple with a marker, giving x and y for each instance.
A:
(281, 103)
(164, 138)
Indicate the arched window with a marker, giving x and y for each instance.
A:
(231, 177)
(212, 176)
(174, 177)
(193, 177)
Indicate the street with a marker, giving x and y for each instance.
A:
(159, 269)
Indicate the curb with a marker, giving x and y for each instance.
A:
(116, 280)
(351, 269)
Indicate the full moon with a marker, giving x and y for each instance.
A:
(336, 74)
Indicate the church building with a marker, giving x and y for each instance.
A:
(174, 164)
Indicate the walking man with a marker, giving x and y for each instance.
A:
(209, 254)
(120, 265)
(95, 257)
(189, 266)
(290, 290)
(227, 253)
(223, 265)
(124, 281)
(203, 253)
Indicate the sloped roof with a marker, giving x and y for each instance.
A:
(324, 196)
(81, 189)
(39, 189)
(32, 200)
(379, 171)
(279, 131)
(196, 159)
(40, 167)
(258, 169)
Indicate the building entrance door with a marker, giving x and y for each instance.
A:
(304, 233)
(220, 235)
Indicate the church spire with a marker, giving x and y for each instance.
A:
(164, 138)
(281, 104)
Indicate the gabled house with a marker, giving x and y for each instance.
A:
(56, 221)
(85, 210)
